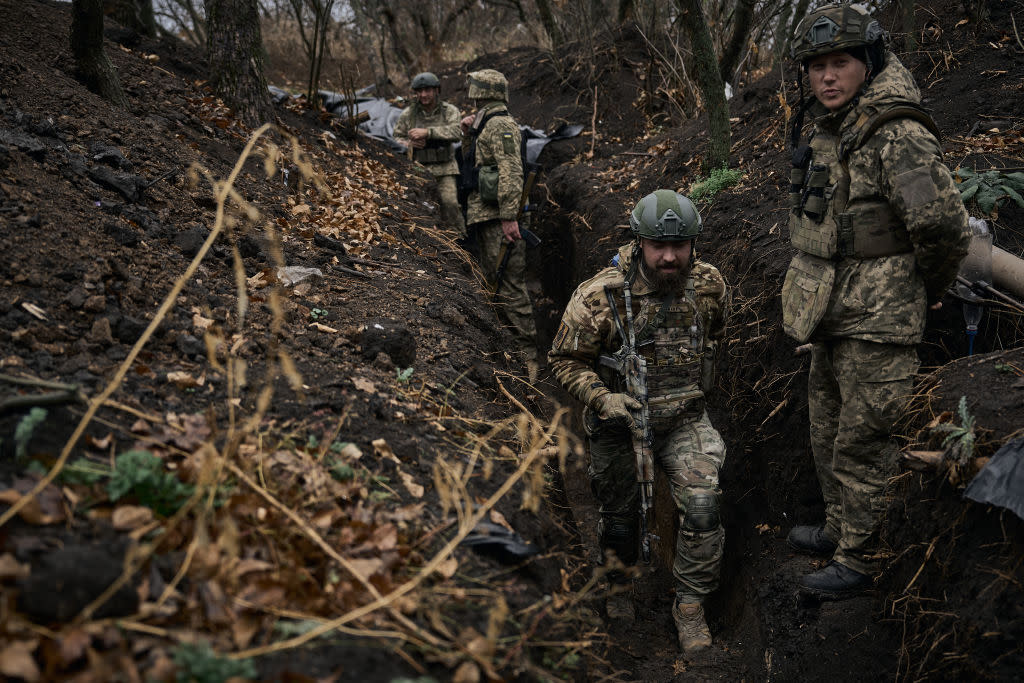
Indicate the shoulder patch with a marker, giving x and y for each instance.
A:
(508, 144)
(563, 332)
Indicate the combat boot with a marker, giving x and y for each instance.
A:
(835, 580)
(620, 608)
(693, 631)
(811, 539)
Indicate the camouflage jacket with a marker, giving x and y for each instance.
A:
(900, 190)
(678, 340)
(443, 130)
(497, 145)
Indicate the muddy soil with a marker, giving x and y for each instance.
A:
(100, 216)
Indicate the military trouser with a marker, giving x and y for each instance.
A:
(856, 390)
(451, 212)
(690, 456)
(513, 295)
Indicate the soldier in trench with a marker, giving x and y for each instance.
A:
(879, 230)
(678, 309)
(493, 177)
(430, 127)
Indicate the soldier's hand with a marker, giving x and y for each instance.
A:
(511, 230)
(466, 122)
(616, 407)
(418, 137)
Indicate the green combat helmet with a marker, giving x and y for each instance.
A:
(425, 80)
(837, 28)
(667, 216)
(488, 84)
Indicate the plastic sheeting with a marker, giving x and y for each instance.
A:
(1001, 481)
(384, 115)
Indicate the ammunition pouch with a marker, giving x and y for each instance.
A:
(487, 183)
(436, 152)
(805, 294)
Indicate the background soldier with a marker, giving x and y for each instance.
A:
(879, 230)
(678, 310)
(429, 127)
(491, 157)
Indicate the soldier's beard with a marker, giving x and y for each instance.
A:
(666, 282)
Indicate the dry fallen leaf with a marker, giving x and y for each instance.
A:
(367, 567)
(414, 489)
(383, 450)
(16, 660)
(128, 517)
(365, 385)
(184, 380)
(448, 567)
(10, 568)
(468, 672)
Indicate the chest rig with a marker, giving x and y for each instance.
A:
(670, 336)
(823, 221)
(436, 151)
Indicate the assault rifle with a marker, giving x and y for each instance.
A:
(531, 238)
(633, 367)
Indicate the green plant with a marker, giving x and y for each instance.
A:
(142, 474)
(990, 188)
(959, 441)
(720, 178)
(26, 427)
(84, 471)
(341, 471)
(198, 663)
(404, 375)
(318, 313)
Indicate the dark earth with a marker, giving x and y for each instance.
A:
(102, 212)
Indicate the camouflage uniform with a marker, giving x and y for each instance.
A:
(497, 146)
(678, 337)
(442, 124)
(882, 241)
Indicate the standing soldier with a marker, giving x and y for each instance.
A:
(674, 309)
(492, 160)
(879, 230)
(430, 127)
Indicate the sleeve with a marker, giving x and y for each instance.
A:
(450, 130)
(576, 347)
(922, 193)
(510, 169)
(403, 125)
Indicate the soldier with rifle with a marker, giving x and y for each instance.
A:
(493, 180)
(429, 127)
(636, 346)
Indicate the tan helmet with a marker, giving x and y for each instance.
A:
(836, 28)
(488, 84)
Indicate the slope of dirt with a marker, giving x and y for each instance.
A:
(366, 411)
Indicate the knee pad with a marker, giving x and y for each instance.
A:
(702, 511)
(619, 535)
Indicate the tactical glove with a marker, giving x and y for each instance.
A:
(616, 407)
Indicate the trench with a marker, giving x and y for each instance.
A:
(734, 611)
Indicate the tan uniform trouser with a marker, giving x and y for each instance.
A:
(855, 392)
(691, 456)
(513, 295)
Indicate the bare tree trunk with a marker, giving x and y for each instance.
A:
(91, 62)
(547, 19)
(798, 14)
(742, 22)
(709, 78)
(235, 52)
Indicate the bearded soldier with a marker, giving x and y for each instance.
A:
(879, 230)
(430, 127)
(674, 308)
(494, 168)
